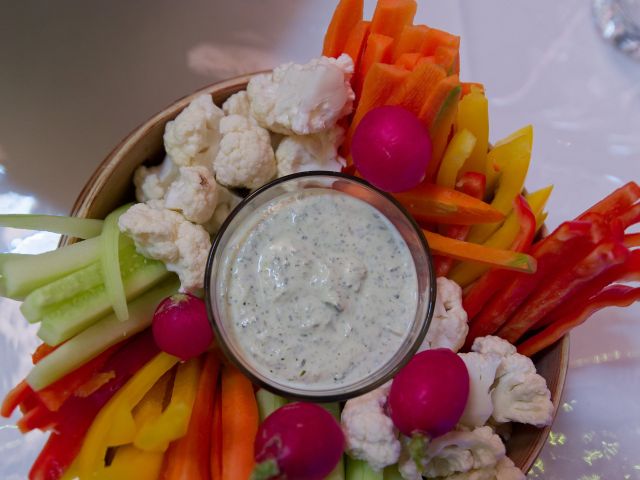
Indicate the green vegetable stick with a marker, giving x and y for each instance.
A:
(109, 254)
(338, 472)
(360, 470)
(268, 403)
(72, 226)
(392, 473)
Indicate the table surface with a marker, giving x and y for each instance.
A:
(76, 77)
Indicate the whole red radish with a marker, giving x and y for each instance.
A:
(180, 326)
(300, 441)
(429, 394)
(391, 148)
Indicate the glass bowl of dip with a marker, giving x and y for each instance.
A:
(319, 286)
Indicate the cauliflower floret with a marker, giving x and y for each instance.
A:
(303, 99)
(245, 157)
(194, 194)
(193, 137)
(165, 235)
(152, 182)
(319, 151)
(448, 327)
(482, 374)
(227, 201)
(503, 470)
(455, 452)
(493, 344)
(238, 104)
(369, 432)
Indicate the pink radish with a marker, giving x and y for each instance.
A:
(180, 326)
(300, 441)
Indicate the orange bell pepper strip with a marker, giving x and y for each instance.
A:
(239, 424)
(576, 314)
(494, 257)
(391, 16)
(189, 456)
(410, 41)
(345, 17)
(473, 115)
(429, 202)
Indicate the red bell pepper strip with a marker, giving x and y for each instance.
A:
(76, 415)
(550, 252)
(561, 287)
(39, 417)
(631, 216)
(42, 351)
(617, 202)
(472, 184)
(189, 456)
(614, 295)
(15, 397)
(495, 279)
(631, 240)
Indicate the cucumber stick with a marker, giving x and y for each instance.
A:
(100, 336)
(75, 283)
(72, 226)
(360, 470)
(62, 321)
(24, 273)
(111, 265)
(392, 473)
(268, 403)
(337, 473)
(4, 258)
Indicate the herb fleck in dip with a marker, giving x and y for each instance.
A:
(320, 288)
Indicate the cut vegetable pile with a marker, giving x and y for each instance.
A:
(129, 381)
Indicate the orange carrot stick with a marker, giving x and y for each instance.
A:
(391, 16)
(479, 253)
(345, 17)
(188, 457)
(377, 50)
(216, 439)
(449, 58)
(239, 424)
(410, 40)
(438, 38)
(413, 93)
(408, 60)
(356, 41)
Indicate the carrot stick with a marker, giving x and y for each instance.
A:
(356, 42)
(188, 457)
(433, 106)
(413, 93)
(377, 50)
(216, 439)
(438, 38)
(449, 58)
(379, 85)
(345, 17)
(495, 257)
(391, 16)
(239, 424)
(410, 40)
(408, 60)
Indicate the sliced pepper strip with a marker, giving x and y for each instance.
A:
(612, 296)
(616, 202)
(473, 115)
(95, 445)
(563, 286)
(15, 397)
(458, 151)
(632, 240)
(156, 434)
(460, 250)
(631, 216)
(131, 462)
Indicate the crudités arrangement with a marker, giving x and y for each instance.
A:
(129, 381)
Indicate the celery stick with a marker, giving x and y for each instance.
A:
(65, 288)
(392, 473)
(62, 321)
(360, 470)
(72, 226)
(25, 273)
(268, 403)
(100, 336)
(111, 265)
(338, 472)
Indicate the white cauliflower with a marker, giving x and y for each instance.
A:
(227, 201)
(319, 151)
(520, 394)
(152, 182)
(368, 430)
(448, 328)
(194, 194)
(245, 158)
(456, 452)
(166, 236)
(503, 470)
(192, 138)
(482, 374)
(238, 104)
(303, 99)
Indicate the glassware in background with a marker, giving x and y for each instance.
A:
(619, 23)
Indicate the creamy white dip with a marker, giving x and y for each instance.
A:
(319, 289)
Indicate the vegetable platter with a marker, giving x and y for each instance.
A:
(138, 413)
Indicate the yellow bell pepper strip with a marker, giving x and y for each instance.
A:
(511, 182)
(458, 151)
(94, 447)
(502, 152)
(494, 257)
(473, 115)
(156, 434)
(538, 201)
(465, 273)
(151, 406)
